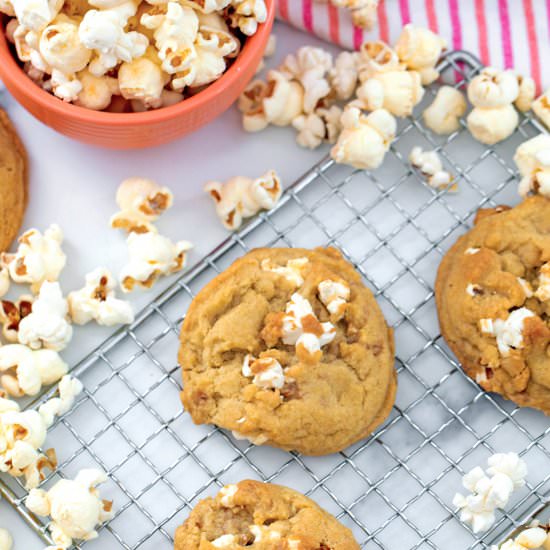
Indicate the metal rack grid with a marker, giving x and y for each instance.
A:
(393, 489)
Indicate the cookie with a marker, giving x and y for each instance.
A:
(288, 348)
(13, 182)
(263, 516)
(493, 301)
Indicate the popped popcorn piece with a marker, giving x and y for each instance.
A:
(541, 107)
(488, 494)
(6, 542)
(543, 289)
(47, 326)
(493, 88)
(226, 495)
(293, 271)
(526, 93)
(309, 66)
(334, 295)
(23, 433)
(473, 289)
(251, 105)
(151, 256)
(97, 301)
(224, 541)
(526, 286)
(97, 91)
(365, 139)
(508, 332)
(377, 57)
(4, 280)
(533, 161)
(203, 6)
(490, 126)
(61, 48)
(301, 328)
(344, 74)
(471, 251)
(141, 201)
(511, 465)
(283, 101)
(34, 15)
(11, 314)
(75, 507)
(246, 15)
(141, 79)
(323, 125)
(429, 163)
(65, 86)
(363, 12)
(104, 32)
(444, 113)
(243, 197)
(420, 49)
(531, 538)
(256, 440)
(38, 258)
(267, 372)
(396, 91)
(25, 371)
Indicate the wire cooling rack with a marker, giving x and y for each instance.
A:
(393, 489)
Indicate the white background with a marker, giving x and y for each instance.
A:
(74, 185)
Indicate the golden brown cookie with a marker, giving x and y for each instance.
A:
(493, 301)
(13, 182)
(261, 516)
(288, 347)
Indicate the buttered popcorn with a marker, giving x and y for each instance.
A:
(91, 52)
(243, 197)
(75, 507)
(39, 257)
(533, 161)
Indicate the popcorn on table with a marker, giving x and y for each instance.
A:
(507, 473)
(97, 301)
(241, 197)
(47, 326)
(75, 507)
(25, 371)
(444, 113)
(6, 542)
(38, 258)
(429, 164)
(323, 125)
(151, 256)
(364, 139)
(141, 201)
(344, 74)
(493, 93)
(532, 158)
(22, 434)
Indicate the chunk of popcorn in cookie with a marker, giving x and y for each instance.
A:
(335, 296)
(97, 301)
(25, 371)
(151, 256)
(243, 197)
(293, 271)
(141, 201)
(75, 507)
(266, 372)
(364, 139)
(47, 326)
(38, 258)
(226, 495)
(508, 332)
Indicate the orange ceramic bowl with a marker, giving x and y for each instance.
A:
(137, 130)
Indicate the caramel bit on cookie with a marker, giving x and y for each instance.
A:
(290, 390)
(273, 328)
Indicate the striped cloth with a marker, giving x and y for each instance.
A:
(504, 33)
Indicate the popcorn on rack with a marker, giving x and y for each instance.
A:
(23, 433)
(97, 301)
(344, 75)
(75, 507)
(541, 107)
(533, 161)
(243, 197)
(533, 538)
(364, 139)
(24, 371)
(375, 57)
(493, 93)
(507, 473)
(141, 202)
(444, 113)
(430, 165)
(151, 256)
(47, 326)
(38, 258)
(11, 314)
(526, 93)
(6, 542)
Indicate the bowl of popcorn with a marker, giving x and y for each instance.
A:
(130, 73)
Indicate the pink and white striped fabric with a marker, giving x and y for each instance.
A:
(503, 33)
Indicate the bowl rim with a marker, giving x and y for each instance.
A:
(13, 76)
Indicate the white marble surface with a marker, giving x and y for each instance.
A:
(74, 185)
